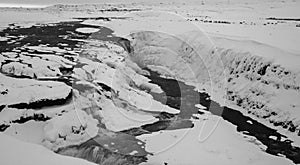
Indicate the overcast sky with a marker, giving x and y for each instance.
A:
(51, 2)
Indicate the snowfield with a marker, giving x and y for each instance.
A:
(258, 84)
(222, 145)
(262, 80)
(90, 97)
(35, 66)
(74, 127)
(24, 92)
(29, 154)
(127, 106)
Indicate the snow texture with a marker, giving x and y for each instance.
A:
(207, 144)
(26, 91)
(128, 106)
(74, 127)
(260, 79)
(28, 154)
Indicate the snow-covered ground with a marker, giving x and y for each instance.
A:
(221, 146)
(127, 106)
(16, 91)
(258, 75)
(28, 154)
(228, 49)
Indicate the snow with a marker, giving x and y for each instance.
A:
(3, 39)
(249, 121)
(74, 127)
(16, 91)
(12, 5)
(67, 126)
(27, 17)
(231, 68)
(129, 106)
(87, 30)
(33, 65)
(31, 131)
(200, 106)
(118, 119)
(14, 151)
(46, 49)
(9, 115)
(283, 34)
(158, 39)
(119, 78)
(133, 152)
(211, 141)
(276, 55)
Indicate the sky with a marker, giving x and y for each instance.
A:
(43, 3)
(37, 3)
(17, 3)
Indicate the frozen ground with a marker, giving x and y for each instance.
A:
(249, 60)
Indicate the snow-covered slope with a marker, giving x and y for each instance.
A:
(124, 105)
(33, 65)
(29, 93)
(110, 92)
(28, 154)
(222, 146)
(252, 78)
(262, 80)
